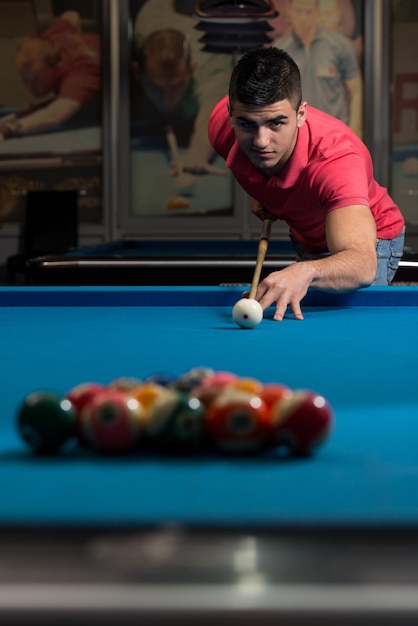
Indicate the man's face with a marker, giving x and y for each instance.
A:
(303, 15)
(39, 79)
(166, 89)
(267, 134)
(329, 14)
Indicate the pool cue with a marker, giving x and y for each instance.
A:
(11, 117)
(183, 180)
(172, 144)
(262, 249)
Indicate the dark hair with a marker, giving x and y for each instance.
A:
(264, 76)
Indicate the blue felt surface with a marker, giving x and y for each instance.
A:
(362, 358)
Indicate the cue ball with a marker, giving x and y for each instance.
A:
(247, 313)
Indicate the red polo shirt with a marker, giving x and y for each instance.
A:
(79, 74)
(330, 168)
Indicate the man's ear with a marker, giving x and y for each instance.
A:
(302, 114)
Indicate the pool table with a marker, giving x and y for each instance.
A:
(175, 262)
(331, 538)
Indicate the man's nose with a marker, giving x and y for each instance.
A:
(260, 138)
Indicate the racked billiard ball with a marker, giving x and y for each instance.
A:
(302, 421)
(212, 386)
(237, 421)
(82, 393)
(79, 396)
(147, 393)
(192, 378)
(112, 422)
(274, 393)
(163, 379)
(46, 421)
(175, 423)
(252, 385)
(124, 383)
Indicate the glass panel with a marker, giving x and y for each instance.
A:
(174, 86)
(50, 103)
(404, 162)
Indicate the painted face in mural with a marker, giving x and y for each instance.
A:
(37, 63)
(166, 69)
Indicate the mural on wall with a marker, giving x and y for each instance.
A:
(174, 86)
(50, 103)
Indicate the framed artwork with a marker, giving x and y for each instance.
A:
(176, 182)
(51, 103)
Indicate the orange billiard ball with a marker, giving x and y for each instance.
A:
(237, 421)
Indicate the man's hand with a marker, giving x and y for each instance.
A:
(194, 163)
(351, 264)
(9, 128)
(286, 287)
(261, 212)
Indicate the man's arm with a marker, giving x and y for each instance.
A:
(49, 117)
(211, 84)
(352, 263)
(199, 154)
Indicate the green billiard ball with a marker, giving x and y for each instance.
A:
(45, 421)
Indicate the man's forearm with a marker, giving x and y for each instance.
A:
(343, 271)
(42, 119)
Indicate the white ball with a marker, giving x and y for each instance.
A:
(247, 313)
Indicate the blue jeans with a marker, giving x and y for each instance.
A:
(389, 253)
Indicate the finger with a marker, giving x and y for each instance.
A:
(297, 311)
(281, 308)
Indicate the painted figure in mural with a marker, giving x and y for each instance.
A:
(175, 84)
(64, 67)
(329, 67)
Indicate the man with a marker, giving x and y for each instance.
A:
(312, 171)
(62, 63)
(331, 78)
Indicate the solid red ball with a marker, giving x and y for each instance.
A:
(112, 422)
(302, 421)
